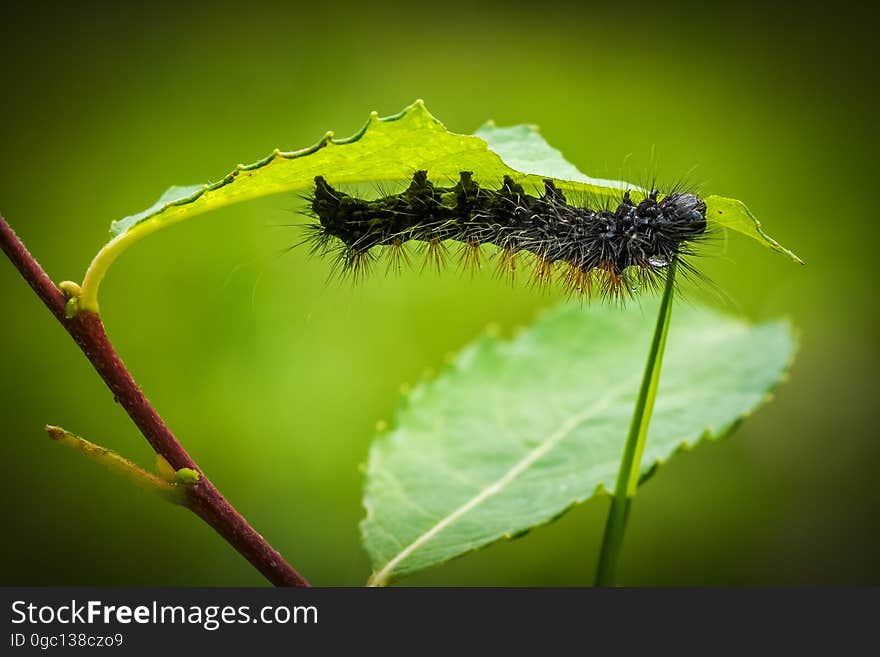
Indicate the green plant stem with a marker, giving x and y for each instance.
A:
(630, 464)
(171, 492)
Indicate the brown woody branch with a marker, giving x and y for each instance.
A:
(203, 498)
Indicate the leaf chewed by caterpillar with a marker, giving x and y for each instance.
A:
(610, 251)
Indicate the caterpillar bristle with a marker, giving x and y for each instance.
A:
(356, 264)
(577, 282)
(506, 263)
(435, 255)
(612, 249)
(616, 285)
(542, 273)
(471, 257)
(398, 256)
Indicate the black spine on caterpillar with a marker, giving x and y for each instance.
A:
(620, 249)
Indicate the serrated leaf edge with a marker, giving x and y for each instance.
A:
(120, 226)
(384, 575)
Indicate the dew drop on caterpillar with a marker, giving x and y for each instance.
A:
(600, 250)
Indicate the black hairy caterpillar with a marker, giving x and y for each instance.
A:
(612, 251)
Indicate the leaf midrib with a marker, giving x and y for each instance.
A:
(381, 577)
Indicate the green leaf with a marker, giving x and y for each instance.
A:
(733, 214)
(523, 149)
(516, 432)
(384, 150)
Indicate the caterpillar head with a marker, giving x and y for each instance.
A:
(686, 210)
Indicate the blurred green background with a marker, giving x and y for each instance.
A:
(274, 379)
